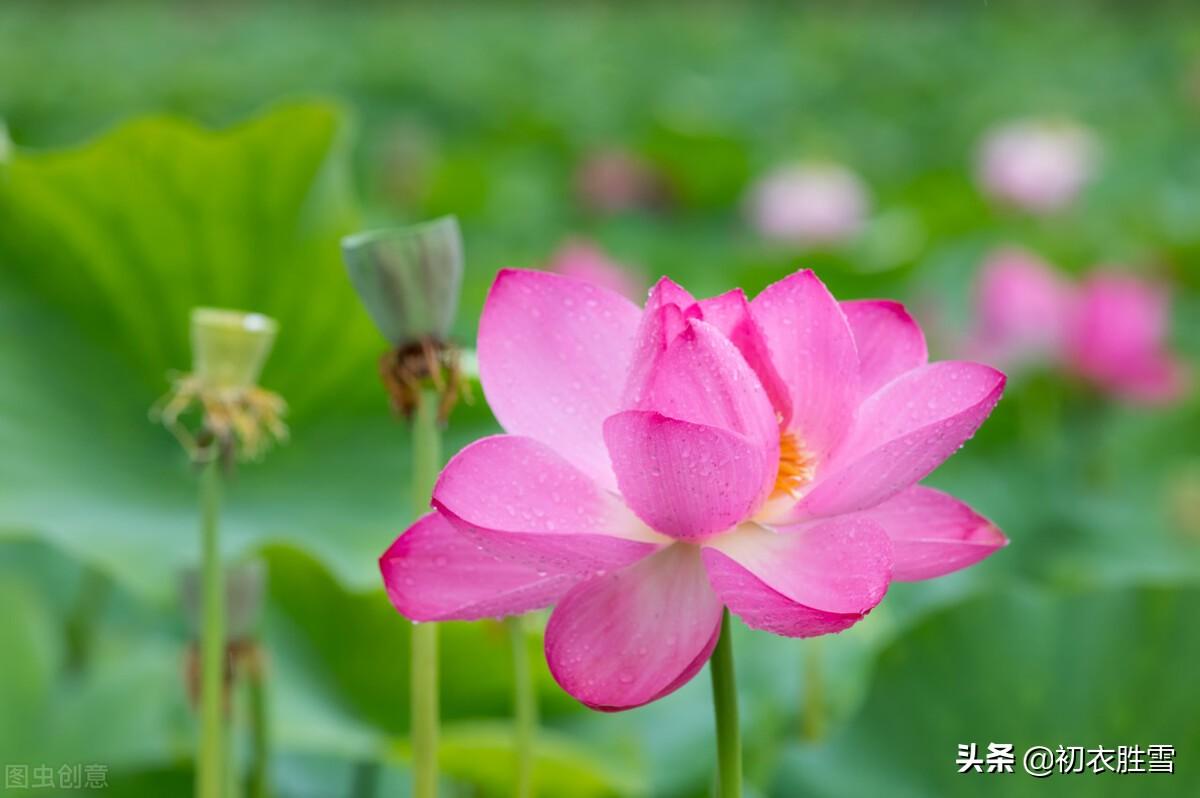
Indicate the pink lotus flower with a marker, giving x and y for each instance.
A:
(663, 463)
(1037, 165)
(584, 261)
(1023, 308)
(809, 204)
(1117, 338)
(1110, 330)
(615, 181)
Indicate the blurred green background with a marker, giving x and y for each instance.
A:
(176, 154)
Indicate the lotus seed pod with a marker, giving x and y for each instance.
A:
(408, 278)
(229, 347)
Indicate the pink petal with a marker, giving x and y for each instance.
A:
(435, 573)
(813, 350)
(889, 341)
(633, 636)
(903, 432)
(520, 499)
(685, 480)
(812, 580)
(933, 533)
(667, 312)
(703, 378)
(553, 353)
(730, 313)
(668, 292)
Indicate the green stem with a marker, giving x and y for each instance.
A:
(427, 457)
(365, 782)
(812, 716)
(210, 781)
(233, 782)
(729, 734)
(525, 710)
(256, 683)
(94, 588)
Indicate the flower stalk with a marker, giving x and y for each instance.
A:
(729, 733)
(812, 715)
(525, 710)
(210, 778)
(427, 457)
(260, 740)
(220, 415)
(409, 280)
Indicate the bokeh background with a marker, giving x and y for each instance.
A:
(162, 156)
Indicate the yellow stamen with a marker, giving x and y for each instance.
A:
(796, 467)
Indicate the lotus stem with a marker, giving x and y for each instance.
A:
(525, 710)
(93, 595)
(210, 779)
(260, 784)
(729, 734)
(812, 715)
(427, 456)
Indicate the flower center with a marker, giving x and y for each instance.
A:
(796, 467)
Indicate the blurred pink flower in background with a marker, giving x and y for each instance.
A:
(662, 464)
(585, 261)
(1118, 338)
(809, 204)
(1022, 307)
(1037, 165)
(1111, 329)
(614, 180)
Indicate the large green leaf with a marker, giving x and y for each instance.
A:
(103, 251)
(355, 646)
(1108, 668)
(123, 707)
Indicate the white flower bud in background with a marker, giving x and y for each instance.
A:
(809, 204)
(1037, 165)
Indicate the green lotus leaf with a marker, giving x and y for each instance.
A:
(1104, 667)
(104, 251)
